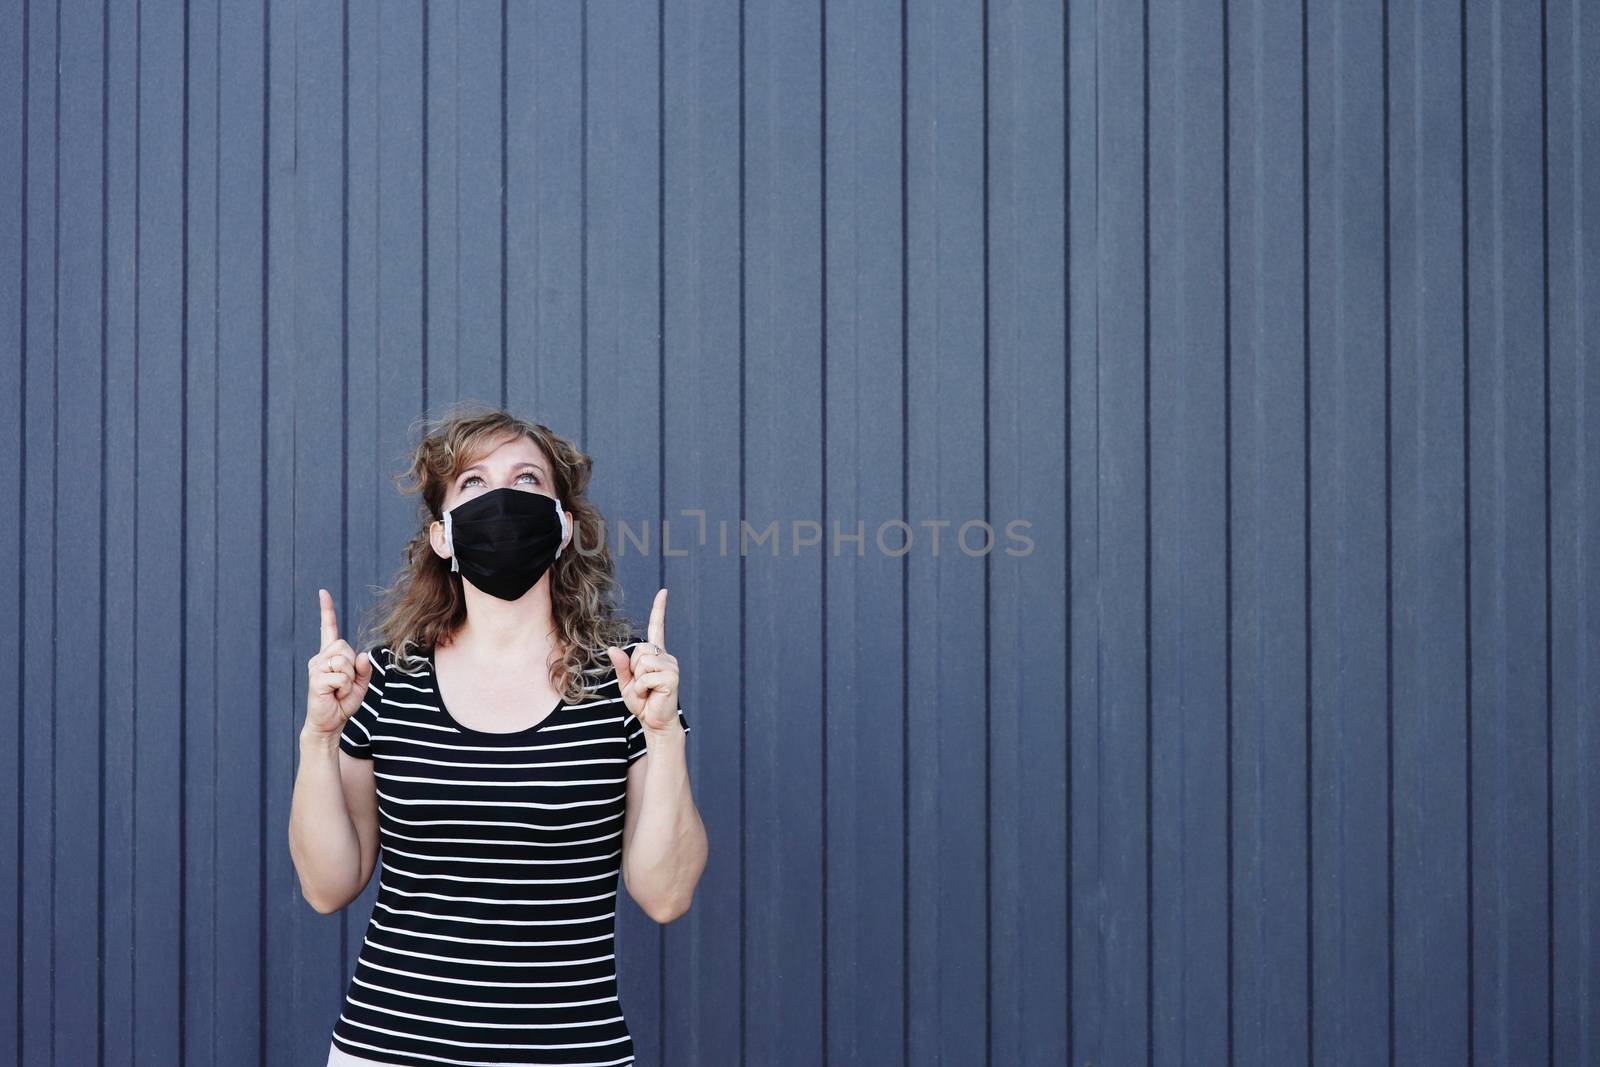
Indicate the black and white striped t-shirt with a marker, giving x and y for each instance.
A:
(491, 940)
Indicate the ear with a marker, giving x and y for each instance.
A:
(436, 539)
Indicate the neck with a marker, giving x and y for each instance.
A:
(496, 628)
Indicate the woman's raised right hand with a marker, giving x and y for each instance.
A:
(337, 676)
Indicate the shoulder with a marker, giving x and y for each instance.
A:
(387, 661)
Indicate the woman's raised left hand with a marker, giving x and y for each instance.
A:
(649, 678)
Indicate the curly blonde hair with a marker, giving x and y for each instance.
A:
(424, 605)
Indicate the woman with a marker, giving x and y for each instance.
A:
(513, 752)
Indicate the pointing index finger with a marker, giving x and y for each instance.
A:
(658, 620)
(330, 625)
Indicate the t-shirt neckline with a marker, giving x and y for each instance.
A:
(438, 701)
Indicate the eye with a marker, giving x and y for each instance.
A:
(469, 479)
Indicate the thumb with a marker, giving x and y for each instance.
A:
(364, 668)
(621, 664)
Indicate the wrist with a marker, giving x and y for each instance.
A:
(671, 734)
(316, 740)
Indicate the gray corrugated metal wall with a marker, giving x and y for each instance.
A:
(1287, 754)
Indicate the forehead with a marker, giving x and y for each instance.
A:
(507, 453)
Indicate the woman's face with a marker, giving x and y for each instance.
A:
(517, 463)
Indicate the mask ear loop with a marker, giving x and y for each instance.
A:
(566, 526)
(449, 542)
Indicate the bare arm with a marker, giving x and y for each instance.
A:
(333, 815)
(663, 839)
(333, 823)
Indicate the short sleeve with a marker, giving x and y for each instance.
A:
(356, 737)
(636, 745)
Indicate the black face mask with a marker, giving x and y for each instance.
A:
(504, 540)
